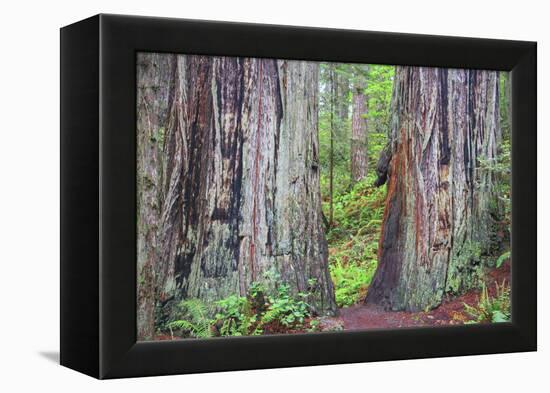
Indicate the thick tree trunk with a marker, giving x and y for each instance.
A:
(359, 157)
(154, 78)
(186, 147)
(438, 218)
(241, 194)
(298, 245)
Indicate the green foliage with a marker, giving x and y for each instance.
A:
(491, 309)
(353, 240)
(314, 326)
(158, 136)
(351, 281)
(379, 91)
(261, 309)
(501, 259)
(358, 211)
(235, 317)
(285, 309)
(194, 319)
(503, 170)
(250, 315)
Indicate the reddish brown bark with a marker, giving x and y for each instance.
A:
(240, 195)
(437, 221)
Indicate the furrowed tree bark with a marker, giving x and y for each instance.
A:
(300, 247)
(438, 221)
(185, 147)
(154, 78)
(359, 127)
(241, 194)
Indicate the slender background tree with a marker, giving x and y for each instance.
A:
(359, 126)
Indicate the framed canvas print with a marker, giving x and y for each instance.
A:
(238, 196)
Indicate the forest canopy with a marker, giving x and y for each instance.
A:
(282, 196)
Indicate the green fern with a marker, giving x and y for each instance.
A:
(491, 309)
(242, 315)
(234, 316)
(194, 319)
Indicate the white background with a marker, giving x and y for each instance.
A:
(29, 195)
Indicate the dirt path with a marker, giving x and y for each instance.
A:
(451, 311)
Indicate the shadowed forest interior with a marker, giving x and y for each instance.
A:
(284, 196)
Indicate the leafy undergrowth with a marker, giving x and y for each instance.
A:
(353, 239)
(263, 311)
(491, 308)
(279, 312)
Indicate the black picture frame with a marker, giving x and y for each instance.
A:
(98, 195)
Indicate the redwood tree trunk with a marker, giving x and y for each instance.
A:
(299, 247)
(240, 198)
(188, 133)
(154, 78)
(359, 157)
(438, 219)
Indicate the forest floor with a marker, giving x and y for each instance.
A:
(450, 312)
(363, 316)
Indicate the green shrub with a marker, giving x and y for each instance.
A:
(491, 309)
(235, 317)
(262, 308)
(285, 309)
